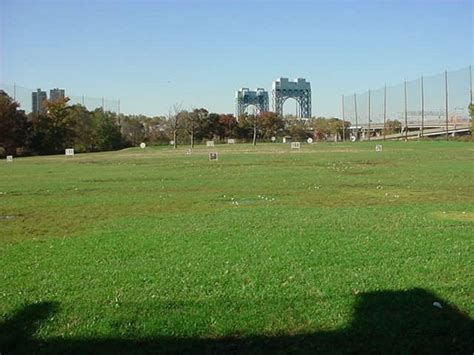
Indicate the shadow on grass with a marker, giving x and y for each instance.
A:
(383, 322)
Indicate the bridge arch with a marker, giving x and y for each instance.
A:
(246, 98)
(299, 89)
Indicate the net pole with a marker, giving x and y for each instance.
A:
(368, 132)
(422, 107)
(343, 121)
(406, 112)
(355, 109)
(470, 80)
(384, 109)
(446, 96)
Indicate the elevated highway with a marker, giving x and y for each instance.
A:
(430, 129)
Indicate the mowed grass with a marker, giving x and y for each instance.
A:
(267, 248)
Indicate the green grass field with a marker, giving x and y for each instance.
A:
(332, 249)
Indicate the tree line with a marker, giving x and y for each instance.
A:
(73, 126)
(62, 126)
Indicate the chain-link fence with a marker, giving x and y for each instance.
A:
(24, 96)
(424, 104)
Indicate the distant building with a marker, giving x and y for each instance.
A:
(38, 99)
(56, 94)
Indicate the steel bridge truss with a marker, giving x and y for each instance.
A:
(299, 89)
(246, 98)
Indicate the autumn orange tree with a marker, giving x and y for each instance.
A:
(227, 122)
(270, 124)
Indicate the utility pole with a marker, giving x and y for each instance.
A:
(14, 92)
(446, 91)
(406, 113)
(343, 121)
(384, 109)
(369, 118)
(82, 100)
(422, 107)
(102, 103)
(254, 127)
(355, 108)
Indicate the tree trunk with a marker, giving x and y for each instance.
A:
(255, 134)
(175, 143)
(192, 132)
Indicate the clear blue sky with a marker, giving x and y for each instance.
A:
(152, 54)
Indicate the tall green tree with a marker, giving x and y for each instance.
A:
(212, 128)
(133, 130)
(86, 128)
(244, 127)
(53, 131)
(108, 132)
(194, 123)
(14, 124)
